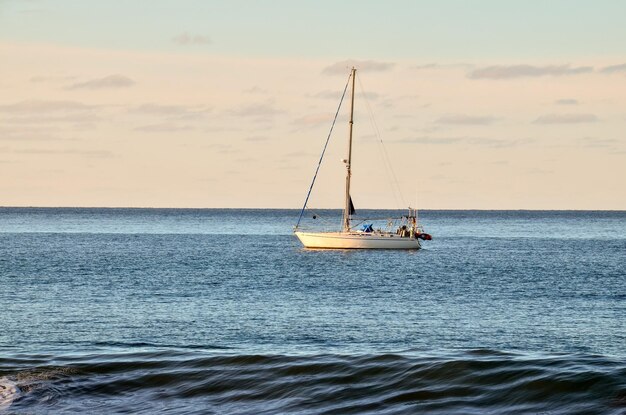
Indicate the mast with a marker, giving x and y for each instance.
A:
(348, 205)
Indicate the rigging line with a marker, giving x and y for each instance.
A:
(386, 158)
(321, 219)
(385, 163)
(378, 142)
(323, 151)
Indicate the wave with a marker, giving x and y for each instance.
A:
(475, 381)
(8, 393)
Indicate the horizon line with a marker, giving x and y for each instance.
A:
(298, 209)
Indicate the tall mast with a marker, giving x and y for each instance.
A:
(347, 210)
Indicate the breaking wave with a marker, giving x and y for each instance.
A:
(177, 381)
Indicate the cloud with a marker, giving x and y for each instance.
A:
(473, 141)
(565, 119)
(461, 119)
(81, 118)
(442, 66)
(314, 119)
(51, 79)
(158, 109)
(30, 133)
(499, 143)
(180, 112)
(257, 138)
(255, 110)
(566, 101)
(165, 127)
(327, 94)
(371, 95)
(598, 142)
(432, 140)
(34, 113)
(526, 71)
(187, 39)
(343, 67)
(223, 148)
(82, 153)
(426, 66)
(39, 106)
(614, 68)
(293, 154)
(446, 179)
(256, 90)
(540, 172)
(111, 81)
(336, 95)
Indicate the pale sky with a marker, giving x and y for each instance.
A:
(480, 105)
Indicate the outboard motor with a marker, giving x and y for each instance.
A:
(424, 236)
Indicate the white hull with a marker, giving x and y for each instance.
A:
(356, 240)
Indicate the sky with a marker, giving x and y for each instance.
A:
(207, 104)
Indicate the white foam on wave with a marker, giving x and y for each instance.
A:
(9, 391)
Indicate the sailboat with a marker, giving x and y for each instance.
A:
(407, 234)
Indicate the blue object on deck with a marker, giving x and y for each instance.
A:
(367, 227)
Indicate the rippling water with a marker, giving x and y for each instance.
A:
(221, 311)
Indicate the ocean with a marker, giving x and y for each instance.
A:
(222, 311)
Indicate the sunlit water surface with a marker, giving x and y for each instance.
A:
(222, 311)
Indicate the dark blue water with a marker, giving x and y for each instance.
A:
(222, 311)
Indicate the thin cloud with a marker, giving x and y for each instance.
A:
(407, 97)
(526, 71)
(472, 141)
(499, 143)
(342, 68)
(327, 94)
(159, 109)
(566, 101)
(446, 179)
(432, 140)
(335, 95)
(223, 148)
(257, 138)
(80, 118)
(30, 133)
(426, 66)
(314, 119)
(598, 142)
(39, 106)
(614, 69)
(256, 90)
(82, 153)
(180, 112)
(51, 79)
(566, 119)
(371, 95)
(185, 39)
(111, 81)
(442, 66)
(295, 154)
(40, 112)
(540, 172)
(461, 119)
(163, 128)
(255, 110)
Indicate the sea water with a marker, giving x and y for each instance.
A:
(222, 311)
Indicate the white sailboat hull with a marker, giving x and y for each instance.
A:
(356, 240)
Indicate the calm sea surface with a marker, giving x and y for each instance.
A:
(222, 311)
